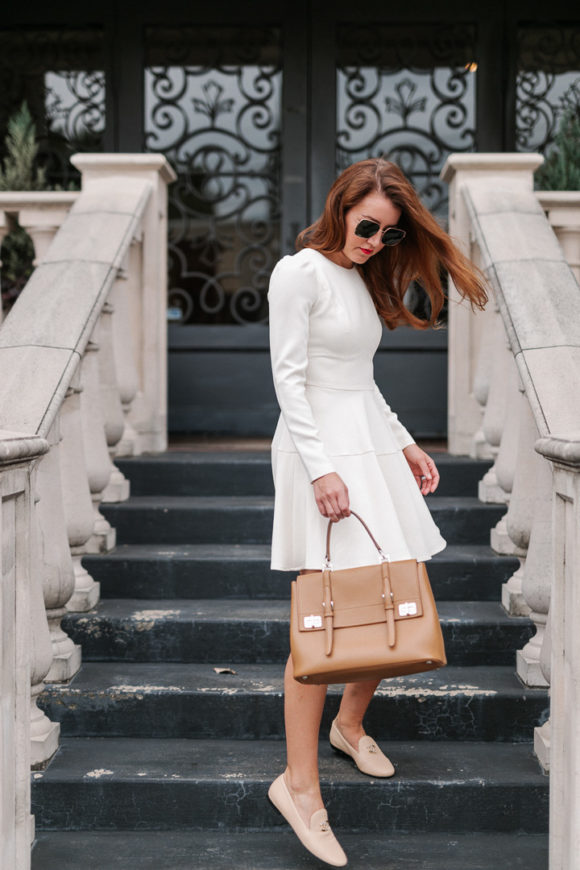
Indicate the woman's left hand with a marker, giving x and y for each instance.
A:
(423, 468)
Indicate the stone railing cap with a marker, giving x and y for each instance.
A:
(124, 163)
(495, 161)
(563, 449)
(22, 198)
(16, 446)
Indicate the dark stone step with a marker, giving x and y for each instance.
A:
(459, 573)
(249, 632)
(248, 520)
(199, 785)
(270, 850)
(250, 473)
(191, 700)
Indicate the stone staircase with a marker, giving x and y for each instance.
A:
(165, 763)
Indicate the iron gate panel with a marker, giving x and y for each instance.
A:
(407, 93)
(212, 106)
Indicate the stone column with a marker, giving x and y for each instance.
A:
(98, 462)
(125, 296)
(18, 452)
(78, 506)
(44, 734)
(495, 413)
(149, 410)
(538, 571)
(511, 535)
(56, 562)
(464, 325)
(564, 453)
(505, 467)
(117, 488)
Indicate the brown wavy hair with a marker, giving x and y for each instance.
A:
(425, 252)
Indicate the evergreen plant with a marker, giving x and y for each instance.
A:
(561, 169)
(19, 171)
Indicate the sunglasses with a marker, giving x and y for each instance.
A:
(390, 236)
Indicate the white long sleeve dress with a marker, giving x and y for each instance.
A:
(324, 331)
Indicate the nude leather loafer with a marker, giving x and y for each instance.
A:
(369, 759)
(318, 838)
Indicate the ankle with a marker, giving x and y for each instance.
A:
(348, 724)
(299, 784)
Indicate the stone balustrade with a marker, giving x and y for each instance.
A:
(517, 402)
(40, 213)
(83, 361)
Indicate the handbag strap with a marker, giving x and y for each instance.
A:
(384, 556)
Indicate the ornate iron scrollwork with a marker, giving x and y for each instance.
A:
(548, 81)
(213, 108)
(60, 75)
(408, 94)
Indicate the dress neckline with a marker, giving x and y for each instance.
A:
(338, 266)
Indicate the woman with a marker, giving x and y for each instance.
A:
(337, 441)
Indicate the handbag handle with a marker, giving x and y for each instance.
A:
(384, 556)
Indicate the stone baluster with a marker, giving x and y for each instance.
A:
(511, 535)
(57, 567)
(494, 417)
(480, 449)
(505, 466)
(42, 224)
(117, 488)
(542, 732)
(125, 295)
(98, 462)
(44, 734)
(77, 502)
(538, 571)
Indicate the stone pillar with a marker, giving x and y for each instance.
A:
(510, 537)
(17, 454)
(149, 410)
(564, 453)
(538, 571)
(56, 562)
(464, 325)
(44, 734)
(125, 295)
(480, 449)
(505, 466)
(495, 413)
(117, 488)
(78, 506)
(98, 462)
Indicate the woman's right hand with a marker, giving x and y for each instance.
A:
(331, 494)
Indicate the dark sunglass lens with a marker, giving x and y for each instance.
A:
(366, 229)
(393, 236)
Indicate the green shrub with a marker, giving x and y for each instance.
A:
(561, 169)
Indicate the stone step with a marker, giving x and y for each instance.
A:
(250, 473)
(222, 785)
(192, 700)
(248, 519)
(475, 633)
(272, 850)
(459, 573)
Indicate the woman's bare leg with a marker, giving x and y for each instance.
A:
(353, 706)
(303, 706)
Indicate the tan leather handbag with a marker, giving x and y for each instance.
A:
(364, 623)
